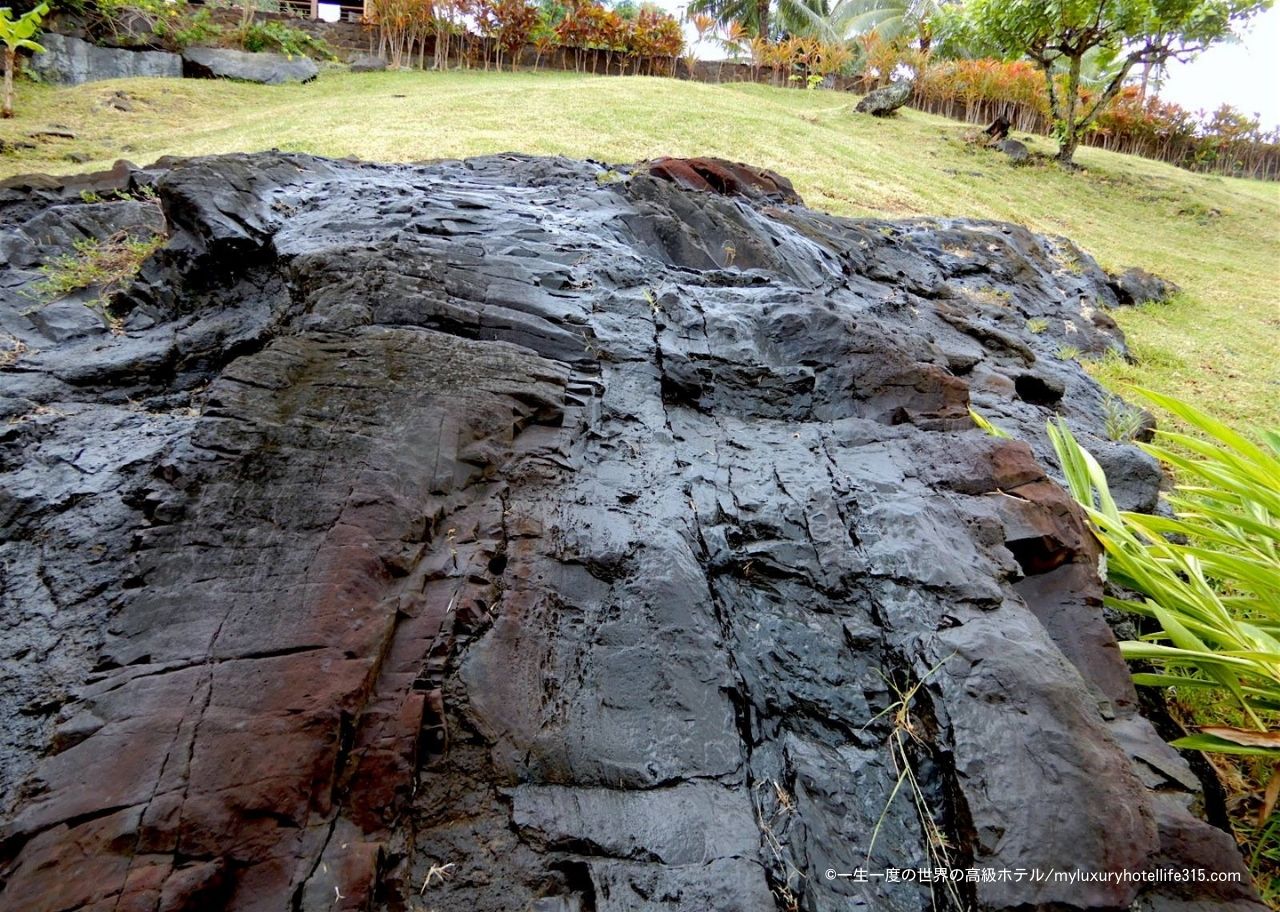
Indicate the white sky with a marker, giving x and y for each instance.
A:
(1244, 74)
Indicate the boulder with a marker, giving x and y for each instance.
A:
(1017, 152)
(886, 100)
(268, 69)
(71, 61)
(368, 63)
(474, 536)
(1137, 286)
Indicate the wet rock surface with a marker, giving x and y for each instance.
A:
(524, 534)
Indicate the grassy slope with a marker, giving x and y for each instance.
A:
(1218, 346)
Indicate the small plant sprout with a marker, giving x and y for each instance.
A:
(1069, 353)
(1037, 325)
(18, 34)
(1122, 421)
(991, 429)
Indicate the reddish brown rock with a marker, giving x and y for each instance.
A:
(716, 175)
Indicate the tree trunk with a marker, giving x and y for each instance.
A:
(762, 18)
(8, 82)
(1067, 148)
(1068, 129)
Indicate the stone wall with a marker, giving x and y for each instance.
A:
(70, 61)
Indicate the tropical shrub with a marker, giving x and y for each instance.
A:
(273, 35)
(1207, 577)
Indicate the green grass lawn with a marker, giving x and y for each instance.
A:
(1217, 346)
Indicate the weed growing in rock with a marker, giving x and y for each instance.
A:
(11, 349)
(989, 295)
(1068, 353)
(906, 735)
(1070, 263)
(1037, 325)
(1123, 422)
(107, 265)
(773, 807)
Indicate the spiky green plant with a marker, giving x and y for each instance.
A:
(1209, 576)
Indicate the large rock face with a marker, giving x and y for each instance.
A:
(71, 61)
(242, 66)
(505, 535)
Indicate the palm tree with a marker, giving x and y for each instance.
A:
(754, 15)
(847, 19)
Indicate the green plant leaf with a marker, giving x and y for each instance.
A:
(1214, 745)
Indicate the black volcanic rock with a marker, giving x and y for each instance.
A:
(1136, 286)
(504, 535)
(885, 100)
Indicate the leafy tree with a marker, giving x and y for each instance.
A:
(1060, 35)
(17, 34)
